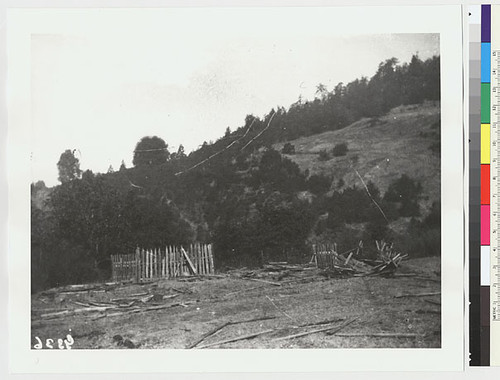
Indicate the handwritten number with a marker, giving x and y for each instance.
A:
(38, 345)
(69, 341)
(49, 342)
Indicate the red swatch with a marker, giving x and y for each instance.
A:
(485, 184)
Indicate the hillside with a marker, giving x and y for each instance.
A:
(251, 202)
(380, 149)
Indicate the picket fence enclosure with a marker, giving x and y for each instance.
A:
(327, 256)
(169, 262)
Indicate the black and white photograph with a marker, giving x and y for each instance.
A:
(218, 179)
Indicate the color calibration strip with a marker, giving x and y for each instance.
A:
(485, 183)
(474, 185)
(479, 176)
(494, 263)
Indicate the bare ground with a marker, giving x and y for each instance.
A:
(370, 305)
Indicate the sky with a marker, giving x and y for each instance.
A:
(184, 78)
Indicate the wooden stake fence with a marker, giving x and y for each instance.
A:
(326, 255)
(169, 262)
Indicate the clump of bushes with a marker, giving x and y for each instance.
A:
(405, 192)
(288, 148)
(318, 184)
(339, 150)
(323, 155)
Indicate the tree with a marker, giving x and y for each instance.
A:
(321, 90)
(122, 166)
(288, 148)
(318, 184)
(406, 192)
(150, 151)
(339, 150)
(323, 155)
(68, 166)
(180, 152)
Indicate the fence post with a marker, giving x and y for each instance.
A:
(167, 252)
(211, 259)
(137, 259)
(155, 263)
(197, 257)
(206, 264)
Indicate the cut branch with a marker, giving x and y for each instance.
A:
(212, 332)
(380, 335)
(264, 281)
(281, 311)
(418, 295)
(249, 336)
(208, 334)
(332, 330)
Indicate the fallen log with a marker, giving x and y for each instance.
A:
(281, 311)
(101, 303)
(329, 328)
(147, 299)
(249, 336)
(77, 311)
(166, 297)
(380, 335)
(151, 308)
(347, 323)
(327, 322)
(263, 281)
(418, 295)
(139, 294)
(206, 335)
(82, 303)
(433, 302)
(80, 291)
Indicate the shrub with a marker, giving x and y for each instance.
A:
(288, 149)
(318, 184)
(421, 241)
(323, 155)
(339, 150)
(406, 192)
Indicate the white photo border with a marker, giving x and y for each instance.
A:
(445, 20)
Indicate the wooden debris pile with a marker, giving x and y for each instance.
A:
(325, 256)
(278, 273)
(389, 259)
(325, 262)
(93, 301)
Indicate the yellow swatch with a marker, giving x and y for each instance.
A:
(485, 143)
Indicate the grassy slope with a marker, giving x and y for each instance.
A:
(380, 150)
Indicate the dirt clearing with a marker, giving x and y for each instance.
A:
(307, 311)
